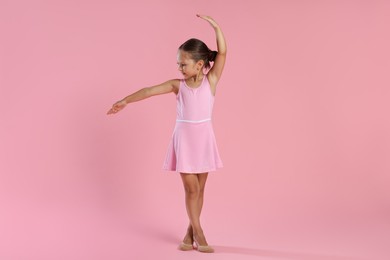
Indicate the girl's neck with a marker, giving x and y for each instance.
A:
(196, 78)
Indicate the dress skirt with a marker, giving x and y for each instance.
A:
(193, 149)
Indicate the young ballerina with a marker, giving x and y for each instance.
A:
(192, 150)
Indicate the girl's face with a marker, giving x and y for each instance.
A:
(187, 66)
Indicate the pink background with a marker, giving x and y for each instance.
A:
(301, 118)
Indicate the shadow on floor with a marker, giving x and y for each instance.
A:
(280, 254)
(168, 237)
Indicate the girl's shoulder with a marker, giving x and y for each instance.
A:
(212, 82)
(176, 85)
(212, 79)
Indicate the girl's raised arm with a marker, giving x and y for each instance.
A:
(166, 87)
(216, 71)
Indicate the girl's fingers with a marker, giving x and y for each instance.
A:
(208, 19)
(116, 107)
(113, 110)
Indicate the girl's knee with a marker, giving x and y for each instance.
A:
(192, 191)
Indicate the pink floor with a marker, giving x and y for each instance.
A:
(84, 229)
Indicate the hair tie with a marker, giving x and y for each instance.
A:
(212, 55)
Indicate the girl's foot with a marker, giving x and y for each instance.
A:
(201, 244)
(187, 241)
(185, 247)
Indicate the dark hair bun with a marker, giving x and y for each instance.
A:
(212, 55)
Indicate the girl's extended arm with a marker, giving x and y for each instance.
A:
(216, 71)
(166, 87)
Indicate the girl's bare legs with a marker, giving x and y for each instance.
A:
(194, 185)
(188, 239)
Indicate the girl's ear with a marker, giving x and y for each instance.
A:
(200, 64)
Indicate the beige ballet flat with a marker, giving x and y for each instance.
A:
(185, 247)
(203, 249)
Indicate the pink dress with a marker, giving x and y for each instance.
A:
(193, 148)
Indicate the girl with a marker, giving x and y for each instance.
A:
(192, 150)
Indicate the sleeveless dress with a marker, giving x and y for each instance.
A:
(193, 147)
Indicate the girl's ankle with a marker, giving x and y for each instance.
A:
(198, 233)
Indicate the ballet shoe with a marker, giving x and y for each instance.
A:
(185, 247)
(203, 249)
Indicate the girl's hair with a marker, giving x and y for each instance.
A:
(199, 51)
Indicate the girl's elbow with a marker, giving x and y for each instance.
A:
(147, 92)
(222, 52)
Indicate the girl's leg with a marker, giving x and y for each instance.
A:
(194, 185)
(202, 178)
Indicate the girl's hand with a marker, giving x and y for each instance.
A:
(118, 106)
(212, 22)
